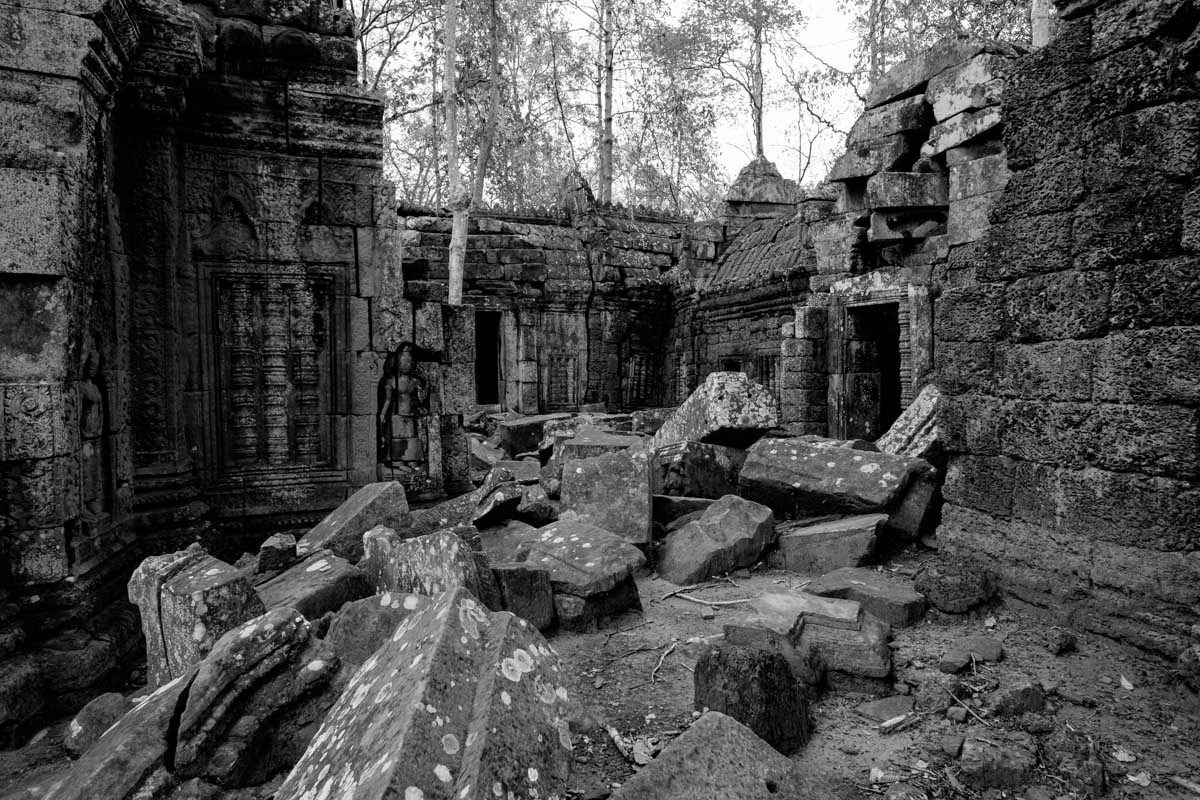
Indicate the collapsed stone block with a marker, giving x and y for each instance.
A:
(917, 433)
(612, 492)
(667, 508)
(798, 479)
(499, 504)
(910, 76)
(536, 507)
(591, 570)
(907, 190)
(437, 562)
(890, 599)
(756, 688)
(727, 409)
(962, 87)
(998, 759)
(320, 583)
(648, 420)
(341, 532)
(187, 601)
(737, 765)
(276, 553)
(361, 627)
(960, 129)
(800, 626)
(824, 546)
(730, 534)
(864, 159)
(93, 720)
(591, 441)
(954, 587)
(525, 590)
(523, 434)
(459, 702)
(902, 116)
(694, 469)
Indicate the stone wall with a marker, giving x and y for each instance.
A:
(581, 297)
(199, 274)
(1071, 344)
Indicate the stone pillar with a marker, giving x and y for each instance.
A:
(804, 382)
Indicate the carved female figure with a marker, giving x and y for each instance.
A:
(403, 398)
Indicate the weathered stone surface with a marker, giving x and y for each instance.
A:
(800, 626)
(501, 542)
(649, 420)
(269, 669)
(737, 765)
(276, 553)
(591, 441)
(320, 583)
(1017, 695)
(909, 77)
(436, 562)
(963, 651)
(892, 600)
(667, 509)
(998, 759)
(22, 690)
(693, 469)
(960, 129)
(187, 601)
(954, 587)
(498, 504)
(536, 507)
(864, 159)
(612, 492)
(582, 559)
(731, 533)
(341, 532)
(361, 627)
(916, 433)
(93, 720)
(457, 701)
(484, 456)
(525, 590)
(727, 409)
(974, 83)
(824, 546)
(525, 472)
(902, 116)
(128, 754)
(799, 479)
(907, 190)
(756, 688)
(978, 177)
(523, 434)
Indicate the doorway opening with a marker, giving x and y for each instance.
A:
(873, 383)
(488, 373)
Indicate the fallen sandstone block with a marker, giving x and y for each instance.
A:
(828, 545)
(737, 765)
(611, 492)
(437, 562)
(341, 532)
(525, 590)
(694, 469)
(756, 688)
(459, 702)
(731, 533)
(890, 599)
(320, 583)
(187, 601)
(361, 627)
(727, 409)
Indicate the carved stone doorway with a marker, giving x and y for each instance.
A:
(489, 373)
(873, 383)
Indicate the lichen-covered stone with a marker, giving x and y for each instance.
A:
(320, 583)
(341, 532)
(437, 562)
(459, 702)
(582, 559)
(276, 553)
(526, 591)
(612, 492)
(737, 765)
(727, 409)
(591, 441)
(910, 76)
(799, 479)
(361, 627)
(93, 720)
(188, 600)
(731, 533)
(917, 433)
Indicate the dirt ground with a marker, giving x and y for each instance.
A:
(635, 676)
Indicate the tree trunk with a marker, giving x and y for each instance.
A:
(1042, 21)
(756, 85)
(488, 138)
(606, 133)
(459, 198)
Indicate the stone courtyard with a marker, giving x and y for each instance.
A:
(887, 489)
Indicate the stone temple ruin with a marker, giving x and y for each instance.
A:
(246, 437)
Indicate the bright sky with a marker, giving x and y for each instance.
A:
(828, 35)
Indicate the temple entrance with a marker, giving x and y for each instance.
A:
(488, 374)
(873, 384)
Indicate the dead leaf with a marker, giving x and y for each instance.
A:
(1141, 778)
(1125, 684)
(990, 622)
(1123, 755)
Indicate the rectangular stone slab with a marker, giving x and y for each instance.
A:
(612, 492)
(892, 600)
(902, 116)
(829, 545)
(727, 409)
(320, 583)
(341, 532)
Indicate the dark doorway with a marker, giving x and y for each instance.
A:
(487, 357)
(731, 365)
(872, 370)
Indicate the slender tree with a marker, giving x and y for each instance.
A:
(459, 199)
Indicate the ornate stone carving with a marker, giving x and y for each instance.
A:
(403, 421)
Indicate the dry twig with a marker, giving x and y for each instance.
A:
(970, 710)
(662, 658)
(688, 597)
